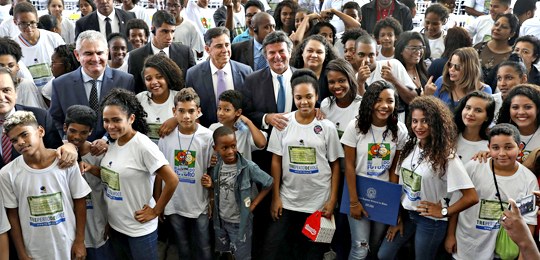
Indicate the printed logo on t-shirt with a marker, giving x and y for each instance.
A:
(206, 22)
(378, 158)
(412, 184)
(523, 154)
(489, 214)
(153, 132)
(46, 210)
(111, 179)
(303, 160)
(184, 165)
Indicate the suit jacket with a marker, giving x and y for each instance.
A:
(199, 77)
(243, 53)
(259, 97)
(402, 13)
(90, 22)
(51, 139)
(68, 90)
(179, 53)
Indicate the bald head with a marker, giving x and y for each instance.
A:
(262, 24)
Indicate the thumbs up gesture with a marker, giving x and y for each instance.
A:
(386, 73)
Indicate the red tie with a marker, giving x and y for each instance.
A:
(6, 146)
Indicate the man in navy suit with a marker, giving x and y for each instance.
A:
(106, 19)
(219, 73)
(90, 83)
(250, 52)
(163, 26)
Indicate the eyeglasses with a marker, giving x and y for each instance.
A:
(173, 5)
(24, 25)
(456, 66)
(415, 48)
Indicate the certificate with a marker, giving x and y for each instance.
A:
(380, 199)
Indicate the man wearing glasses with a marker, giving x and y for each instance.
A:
(390, 70)
(36, 44)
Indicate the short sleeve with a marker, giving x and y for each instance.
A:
(4, 223)
(457, 177)
(334, 148)
(349, 137)
(6, 188)
(151, 156)
(403, 135)
(275, 144)
(77, 184)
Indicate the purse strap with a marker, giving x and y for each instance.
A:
(496, 185)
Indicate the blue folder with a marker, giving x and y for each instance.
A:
(380, 199)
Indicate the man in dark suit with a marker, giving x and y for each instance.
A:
(219, 73)
(163, 26)
(249, 52)
(89, 84)
(106, 19)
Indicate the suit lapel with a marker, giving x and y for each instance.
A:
(81, 91)
(250, 57)
(107, 83)
(207, 79)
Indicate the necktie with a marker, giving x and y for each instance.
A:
(260, 63)
(221, 84)
(281, 95)
(108, 28)
(6, 146)
(93, 100)
(161, 52)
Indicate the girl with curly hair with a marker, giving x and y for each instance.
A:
(521, 107)
(128, 170)
(163, 79)
(372, 144)
(424, 171)
(314, 53)
(305, 168)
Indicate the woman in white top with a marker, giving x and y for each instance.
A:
(118, 51)
(372, 145)
(305, 168)
(67, 27)
(163, 78)
(435, 18)
(473, 116)
(128, 172)
(429, 172)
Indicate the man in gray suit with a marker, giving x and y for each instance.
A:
(219, 73)
(90, 83)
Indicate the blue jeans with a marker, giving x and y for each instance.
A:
(428, 236)
(191, 231)
(227, 240)
(103, 252)
(126, 247)
(365, 235)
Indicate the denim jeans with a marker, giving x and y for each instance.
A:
(126, 247)
(103, 252)
(227, 240)
(288, 229)
(428, 236)
(366, 235)
(191, 231)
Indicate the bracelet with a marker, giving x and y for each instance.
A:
(351, 206)
(354, 204)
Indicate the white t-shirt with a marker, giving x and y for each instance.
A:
(38, 57)
(480, 28)
(68, 30)
(478, 5)
(187, 34)
(29, 95)
(467, 149)
(244, 140)
(421, 182)
(239, 21)
(128, 173)
(96, 210)
(530, 27)
(397, 70)
(374, 157)
(141, 13)
(528, 144)
(190, 199)
(44, 198)
(157, 113)
(341, 117)
(477, 230)
(203, 18)
(9, 28)
(4, 223)
(380, 56)
(306, 151)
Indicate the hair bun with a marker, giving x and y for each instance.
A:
(303, 72)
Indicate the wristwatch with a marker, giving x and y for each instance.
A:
(444, 212)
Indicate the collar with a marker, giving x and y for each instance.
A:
(87, 78)
(258, 46)
(227, 69)
(287, 74)
(156, 50)
(9, 113)
(111, 15)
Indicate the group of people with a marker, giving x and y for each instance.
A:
(202, 134)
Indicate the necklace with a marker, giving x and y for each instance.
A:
(183, 156)
(420, 160)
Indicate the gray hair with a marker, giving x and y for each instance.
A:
(92, 36)
(277, 37)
